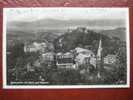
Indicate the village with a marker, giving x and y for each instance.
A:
(80, 59)
(42, 62)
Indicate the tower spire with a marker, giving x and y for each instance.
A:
(99, 51)
(99, 59)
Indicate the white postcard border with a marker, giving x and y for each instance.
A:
(5, 86)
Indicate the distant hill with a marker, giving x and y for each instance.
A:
(48, 36)
(25, 35)
(118, 32)
(50, 29)
(63, 25)
(20, 35)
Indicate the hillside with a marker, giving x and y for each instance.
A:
(13, 36)
(83, 39)
(118, 32)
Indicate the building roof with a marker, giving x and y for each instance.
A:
(110, 56)
(84, 51)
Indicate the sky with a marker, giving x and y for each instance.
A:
(32, 14)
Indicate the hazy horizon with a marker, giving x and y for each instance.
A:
(60, 13)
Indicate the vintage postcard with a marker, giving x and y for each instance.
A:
(66, 48)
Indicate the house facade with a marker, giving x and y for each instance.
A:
(65, 60)
(110, 59)
(35, 46)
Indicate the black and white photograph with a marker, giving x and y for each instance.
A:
(68, 47)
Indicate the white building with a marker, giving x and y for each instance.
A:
(110, 59)
(85, 56)
(34, 47)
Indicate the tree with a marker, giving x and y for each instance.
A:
(65, 77)
(122, 64)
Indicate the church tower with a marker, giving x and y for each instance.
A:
(99, 65)
(99, 51)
